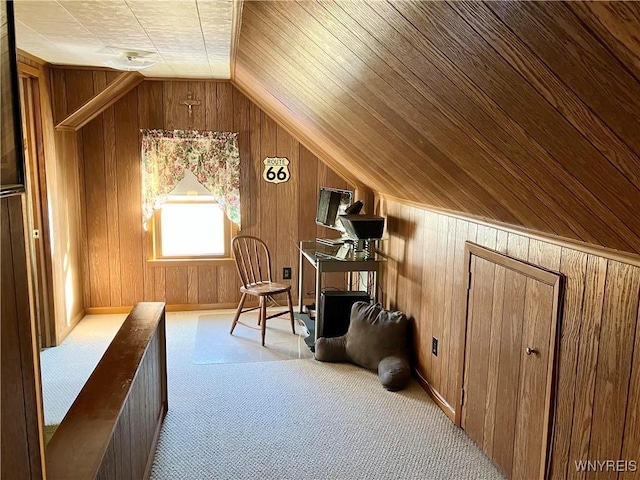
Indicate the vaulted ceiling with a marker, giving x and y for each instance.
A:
(522, 112)
(526, 113)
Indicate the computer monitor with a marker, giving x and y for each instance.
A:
(332, 203)
(363, 227)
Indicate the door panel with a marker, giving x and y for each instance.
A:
(533, 379)
(512, 307)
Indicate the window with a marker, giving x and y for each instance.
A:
(191, 225)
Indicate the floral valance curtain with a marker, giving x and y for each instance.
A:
(211, 156)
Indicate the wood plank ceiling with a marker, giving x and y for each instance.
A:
(521, 112)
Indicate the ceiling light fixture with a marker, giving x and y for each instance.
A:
(130, 62)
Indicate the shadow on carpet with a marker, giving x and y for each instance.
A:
(214, 345)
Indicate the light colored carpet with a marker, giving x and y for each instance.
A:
(301, 419)
(297, 419)
(67, 367)
(213, 343)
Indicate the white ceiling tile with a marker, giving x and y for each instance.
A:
(189, 38)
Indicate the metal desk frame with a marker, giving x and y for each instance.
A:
(324, 263)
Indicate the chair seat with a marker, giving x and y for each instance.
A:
(265, 288)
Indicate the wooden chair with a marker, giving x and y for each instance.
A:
(254, 267)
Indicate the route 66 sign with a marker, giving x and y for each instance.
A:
(276, 170)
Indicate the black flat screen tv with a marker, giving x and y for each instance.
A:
(332, 202)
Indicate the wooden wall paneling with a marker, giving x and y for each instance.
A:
(288, 210)
(79, 85)
(312, 139)
(587, 362)
(308, 166)
(486, 171)
(458, 312)
(615, 24)
(145, 102)
(225, 106)
(619, 315)
(176, 116)
(391, 271)
(543, 78)
(315, 95)
(518, 246)
(402, 216)
(129, 199)
(159, 279)
(198, 118)
(446, 345)
(211, 105)
(574, 185)
(557, 147)
(96, 207)
(546, 29)
(66, 223)
(573, 265)
(529, 127)
(255, 172)
(242, 125)
(545, 254)
(22, 447)
(58, 94)
(363, 21)
(414, 257)
(207, 285)
(320, 69)
(379, 94)
(631, 437)
(541, 39)
(228, 283)
(157, 105)
(430, 299)
(101, 79)
(268, 191)
(177, 285)
(440, 267)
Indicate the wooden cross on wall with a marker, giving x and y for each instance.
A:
(190, 102)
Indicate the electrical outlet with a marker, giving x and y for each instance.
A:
(434, 346)
(286, 273)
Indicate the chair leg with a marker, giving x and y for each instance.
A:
(238, 312)
(293, 322)
(263, 309)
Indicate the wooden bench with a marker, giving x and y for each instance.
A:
(112, 428)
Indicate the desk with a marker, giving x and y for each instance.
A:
(323, 259)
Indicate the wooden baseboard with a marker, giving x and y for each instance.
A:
(178, 307)
(440, 401)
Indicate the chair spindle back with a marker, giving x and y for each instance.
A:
(252, 259)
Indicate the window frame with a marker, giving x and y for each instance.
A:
(157, 258)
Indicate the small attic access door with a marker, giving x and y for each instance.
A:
(510, 342)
